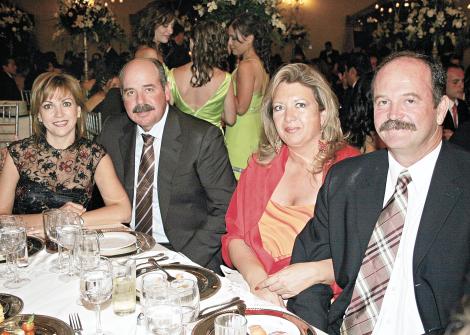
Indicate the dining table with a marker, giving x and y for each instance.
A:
(50, 294)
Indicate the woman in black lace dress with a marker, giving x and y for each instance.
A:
(57, 167)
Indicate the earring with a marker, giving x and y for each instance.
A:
(322, 146)
(277, 145)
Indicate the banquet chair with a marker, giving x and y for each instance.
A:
(9, 122)
(26, 96)
(93, 125)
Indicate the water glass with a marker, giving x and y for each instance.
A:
(124, 287)
(152, 283)
(163, 319)
(230, 324)
(96, 286)
(51, 219)
(87, 250)
(67, 236)
(188, 293)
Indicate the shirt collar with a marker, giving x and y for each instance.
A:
(421, 171)
(157, 129)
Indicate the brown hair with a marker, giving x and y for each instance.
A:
(209, 51)
(155, 14)
(44, 87)
(331, 133)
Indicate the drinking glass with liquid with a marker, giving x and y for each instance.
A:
(123, 298)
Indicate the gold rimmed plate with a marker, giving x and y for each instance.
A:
(207, 281)
(143, 243)
(44, 325)
(35, 244)
(12, 305)
(272, 321)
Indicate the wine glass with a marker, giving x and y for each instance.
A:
(68, 231)
(96, 286)
(188, 293)
(12, 240)
(8, 273)
(51, 219)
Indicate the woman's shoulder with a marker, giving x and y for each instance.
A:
(92, 146)
(22, 144)
(346, 151)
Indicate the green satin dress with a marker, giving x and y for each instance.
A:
(242, 138)
(212, 110)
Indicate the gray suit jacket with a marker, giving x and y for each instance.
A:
(195, 180)
(346, 211)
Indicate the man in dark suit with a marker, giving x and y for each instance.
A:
(402, 274)
(8, 88)
(459, 113)
(191, 180)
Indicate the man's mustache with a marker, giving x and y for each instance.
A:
(397, 125)
(143, 108)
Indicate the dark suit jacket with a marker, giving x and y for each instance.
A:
(462, 136)
(195, 180)
(346, 211)
(463, 115)
(8, 88)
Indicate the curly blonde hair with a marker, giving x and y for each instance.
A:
(331, 134)
(44, 87)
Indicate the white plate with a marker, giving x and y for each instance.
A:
(272, 324)
(113, 241)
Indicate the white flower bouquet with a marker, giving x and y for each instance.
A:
(15, 24)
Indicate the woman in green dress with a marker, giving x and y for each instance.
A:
(155, 28)
(201, 88)
(249, 40)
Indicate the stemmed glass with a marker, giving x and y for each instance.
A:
(12, 240)
(8, 273)
(68, 231)
(96, 286)
(188, 293)
(52, 219)
(88, 250)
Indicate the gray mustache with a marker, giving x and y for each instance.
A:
(397, 125)
(143, 108)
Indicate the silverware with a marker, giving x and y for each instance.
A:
(100, 233)
(170, 278)
(158, 260)
(240, 309)
(161, 254)
(75, 323)
(222, 304)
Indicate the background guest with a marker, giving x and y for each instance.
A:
(57, 167)
(177, 50)
(8, 88)
(459, 113)
(276, 194)
(201, 88)
(249, 39)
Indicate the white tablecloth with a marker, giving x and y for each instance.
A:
(46, 294)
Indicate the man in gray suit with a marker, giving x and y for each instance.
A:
(180, 183)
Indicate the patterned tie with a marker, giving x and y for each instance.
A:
(377, 265)
(143, 199)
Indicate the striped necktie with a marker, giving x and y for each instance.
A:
(143, 199)
(377, 264)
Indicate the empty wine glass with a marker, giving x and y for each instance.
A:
(96, 286)
(188, 293)
(12, 240)
(51, 219)
(68, 231)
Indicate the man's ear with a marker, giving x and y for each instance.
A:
(167, 92)
(442, 108)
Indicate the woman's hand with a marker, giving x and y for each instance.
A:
(73, 207)
(295, 278)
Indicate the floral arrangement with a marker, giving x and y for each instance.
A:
(225, 11)
(87, 16)
(419, 24)
(15, 24)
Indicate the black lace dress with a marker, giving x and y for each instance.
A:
(51, 177)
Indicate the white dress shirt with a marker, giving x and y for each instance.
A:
(157, 131)
(399, 313)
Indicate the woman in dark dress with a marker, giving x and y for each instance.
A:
(56, 167)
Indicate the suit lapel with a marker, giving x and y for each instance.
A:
(127, 146)
(443, 193)
(369, 198)
(169, 157)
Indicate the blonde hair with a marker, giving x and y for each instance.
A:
(331, 134)
(44, 87)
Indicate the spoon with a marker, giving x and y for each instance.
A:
(152, 260)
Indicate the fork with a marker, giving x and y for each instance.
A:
(100, 233)
(75, 323)
(169, 277)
